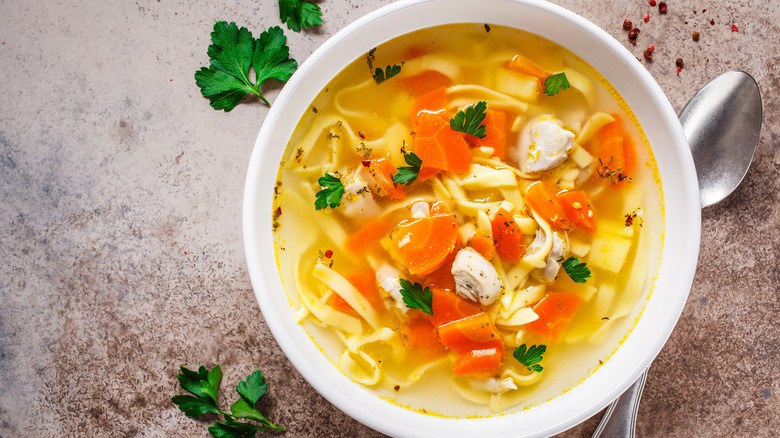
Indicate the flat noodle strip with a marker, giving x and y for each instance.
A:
(463, 95)
(347, 291)
(497, 164)
(538, 258)
(348, 363)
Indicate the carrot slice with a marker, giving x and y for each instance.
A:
(448, 307)
(556, 311)
(438, 146)
(367, 237)
(526, 66)
(365, 283)
(483, 244)
(442, 277)
(495, 134)
(432, 102)
(475, 332)
(383, 170)
(541, 197)
(420, 335)
(578, 209)
(424, 244)
(507, 236)
(425, 82)
(479, 363)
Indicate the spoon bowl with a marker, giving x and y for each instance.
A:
(722, 123)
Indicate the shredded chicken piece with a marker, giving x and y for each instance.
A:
(387, 277)
(544, 144)
(475, 278)
(358, 200)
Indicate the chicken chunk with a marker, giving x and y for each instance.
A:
(558, 250)
(475, 278)
(544, 144)
(358, 200)
(388, 278)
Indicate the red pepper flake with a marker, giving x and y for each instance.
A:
(185, 252)
(685, 22)
(679, 64)
(363, 136)
(328, 254)
(694, 11)
(632, 35)
(627, 25)
(712, 22)
(649, 51)
(734, 28)
(662, 7)
(647, 18)
(703, 11)
(652, 2)
(366, 163)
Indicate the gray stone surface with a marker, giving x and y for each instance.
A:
(120, 223)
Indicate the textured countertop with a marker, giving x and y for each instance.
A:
(120, 225)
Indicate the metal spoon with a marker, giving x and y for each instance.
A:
(721, 122)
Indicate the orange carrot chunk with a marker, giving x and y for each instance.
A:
(431, 102)
(420, 335)
(448, 307)
(483, 244)
(424, 244)
(526, 66)
(366, 238)
(507, 236)
(425, 82)
(442, 277)
(540, 196)
(479, 363)
(556, 311)
(438, 146)
(471, 333)
(383, 170)
(578, 209)
(495, 134)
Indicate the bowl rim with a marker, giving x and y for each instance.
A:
(621, 370)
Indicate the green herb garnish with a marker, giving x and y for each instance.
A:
(415, 297)
(330, 195)
(204, 385)
(470, 120)
(408, 174)
(530, 357)
(390, 71)
(299, 14)
(579, 272)
(553, 84)
(232, 52)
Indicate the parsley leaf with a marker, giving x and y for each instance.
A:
(330, 195)
(233, 51)
(408, 174)
(579, 272)
(415, 297)
(530, 357)
(555, 83)
(470, 120)
(205, 385)
(299, 14)
(390, 71)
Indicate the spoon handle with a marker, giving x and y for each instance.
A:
(620, 418)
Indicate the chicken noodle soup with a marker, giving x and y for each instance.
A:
(468, 220)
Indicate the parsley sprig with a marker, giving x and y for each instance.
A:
(232, 53)
(204, 385)
(579, 272)
(299, 14)
(470, 120)
(408, 174)
(417, 297)
(330, 195)
(530, 357)
(390, 71)
(556, 83)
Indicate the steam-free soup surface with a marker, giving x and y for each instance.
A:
(474, 234)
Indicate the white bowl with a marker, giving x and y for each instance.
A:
(675, 165)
